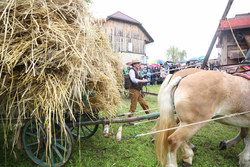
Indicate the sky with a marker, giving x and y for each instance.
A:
(186, 24)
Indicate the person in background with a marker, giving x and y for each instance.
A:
(135, 82)
(166, 67)
(163, 73)
(149, 74)
(152, 76)
(171, 69)
(157, 75)
(126, 70)
(144, 72)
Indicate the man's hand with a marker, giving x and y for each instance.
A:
(143, 81)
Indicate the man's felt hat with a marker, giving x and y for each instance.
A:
(135, 60)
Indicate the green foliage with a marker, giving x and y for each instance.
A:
(138, 152)
(174, 54)
(88, 1)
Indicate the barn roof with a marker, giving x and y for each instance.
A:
(240, 21)
(125, 18)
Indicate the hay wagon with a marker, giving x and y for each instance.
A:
(55, 150)
(51, 53)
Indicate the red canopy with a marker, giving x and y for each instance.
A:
(239, 22)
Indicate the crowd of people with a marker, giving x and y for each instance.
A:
(155, 74)
(152, 74)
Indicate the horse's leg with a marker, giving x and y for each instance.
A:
(245, 155)
(176, 140)
(231, 143)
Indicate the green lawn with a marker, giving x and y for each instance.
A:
(98, 151)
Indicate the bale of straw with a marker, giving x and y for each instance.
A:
(51, 54)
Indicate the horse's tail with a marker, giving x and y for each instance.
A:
(166, 120)
(163, 86)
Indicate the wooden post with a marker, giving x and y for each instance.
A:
(119, 134)
(215, 35)
(106, 130)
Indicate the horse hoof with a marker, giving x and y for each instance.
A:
(153, 141)
(223, 145)
(185, 164)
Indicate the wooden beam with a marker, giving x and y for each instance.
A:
(115, 120)
(151, 93)
(229, 4)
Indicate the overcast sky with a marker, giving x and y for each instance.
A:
(186, 24)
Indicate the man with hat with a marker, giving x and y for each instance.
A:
(135, 81)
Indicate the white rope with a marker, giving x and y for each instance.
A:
(196, 123)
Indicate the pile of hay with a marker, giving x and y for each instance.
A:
(51, 54)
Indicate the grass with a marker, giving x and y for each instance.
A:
(139, 152)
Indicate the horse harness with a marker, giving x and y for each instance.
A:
(244, 74)
(174, 89)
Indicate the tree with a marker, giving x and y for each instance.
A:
(174, 54)
(182, 55)
(88, 1)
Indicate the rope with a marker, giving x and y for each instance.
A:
(235, 39)
(196, 123)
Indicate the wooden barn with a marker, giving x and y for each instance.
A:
(127, 36)
(230, 52)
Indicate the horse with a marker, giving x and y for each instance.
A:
(198, 97)
(185, 72)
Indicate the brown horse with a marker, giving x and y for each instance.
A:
(198, 97)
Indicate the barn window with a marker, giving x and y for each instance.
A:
(130, 47)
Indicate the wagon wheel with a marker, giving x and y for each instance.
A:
(35, 142)
(84, 131)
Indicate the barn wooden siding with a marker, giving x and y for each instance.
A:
(230, 52)
(125, 37)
